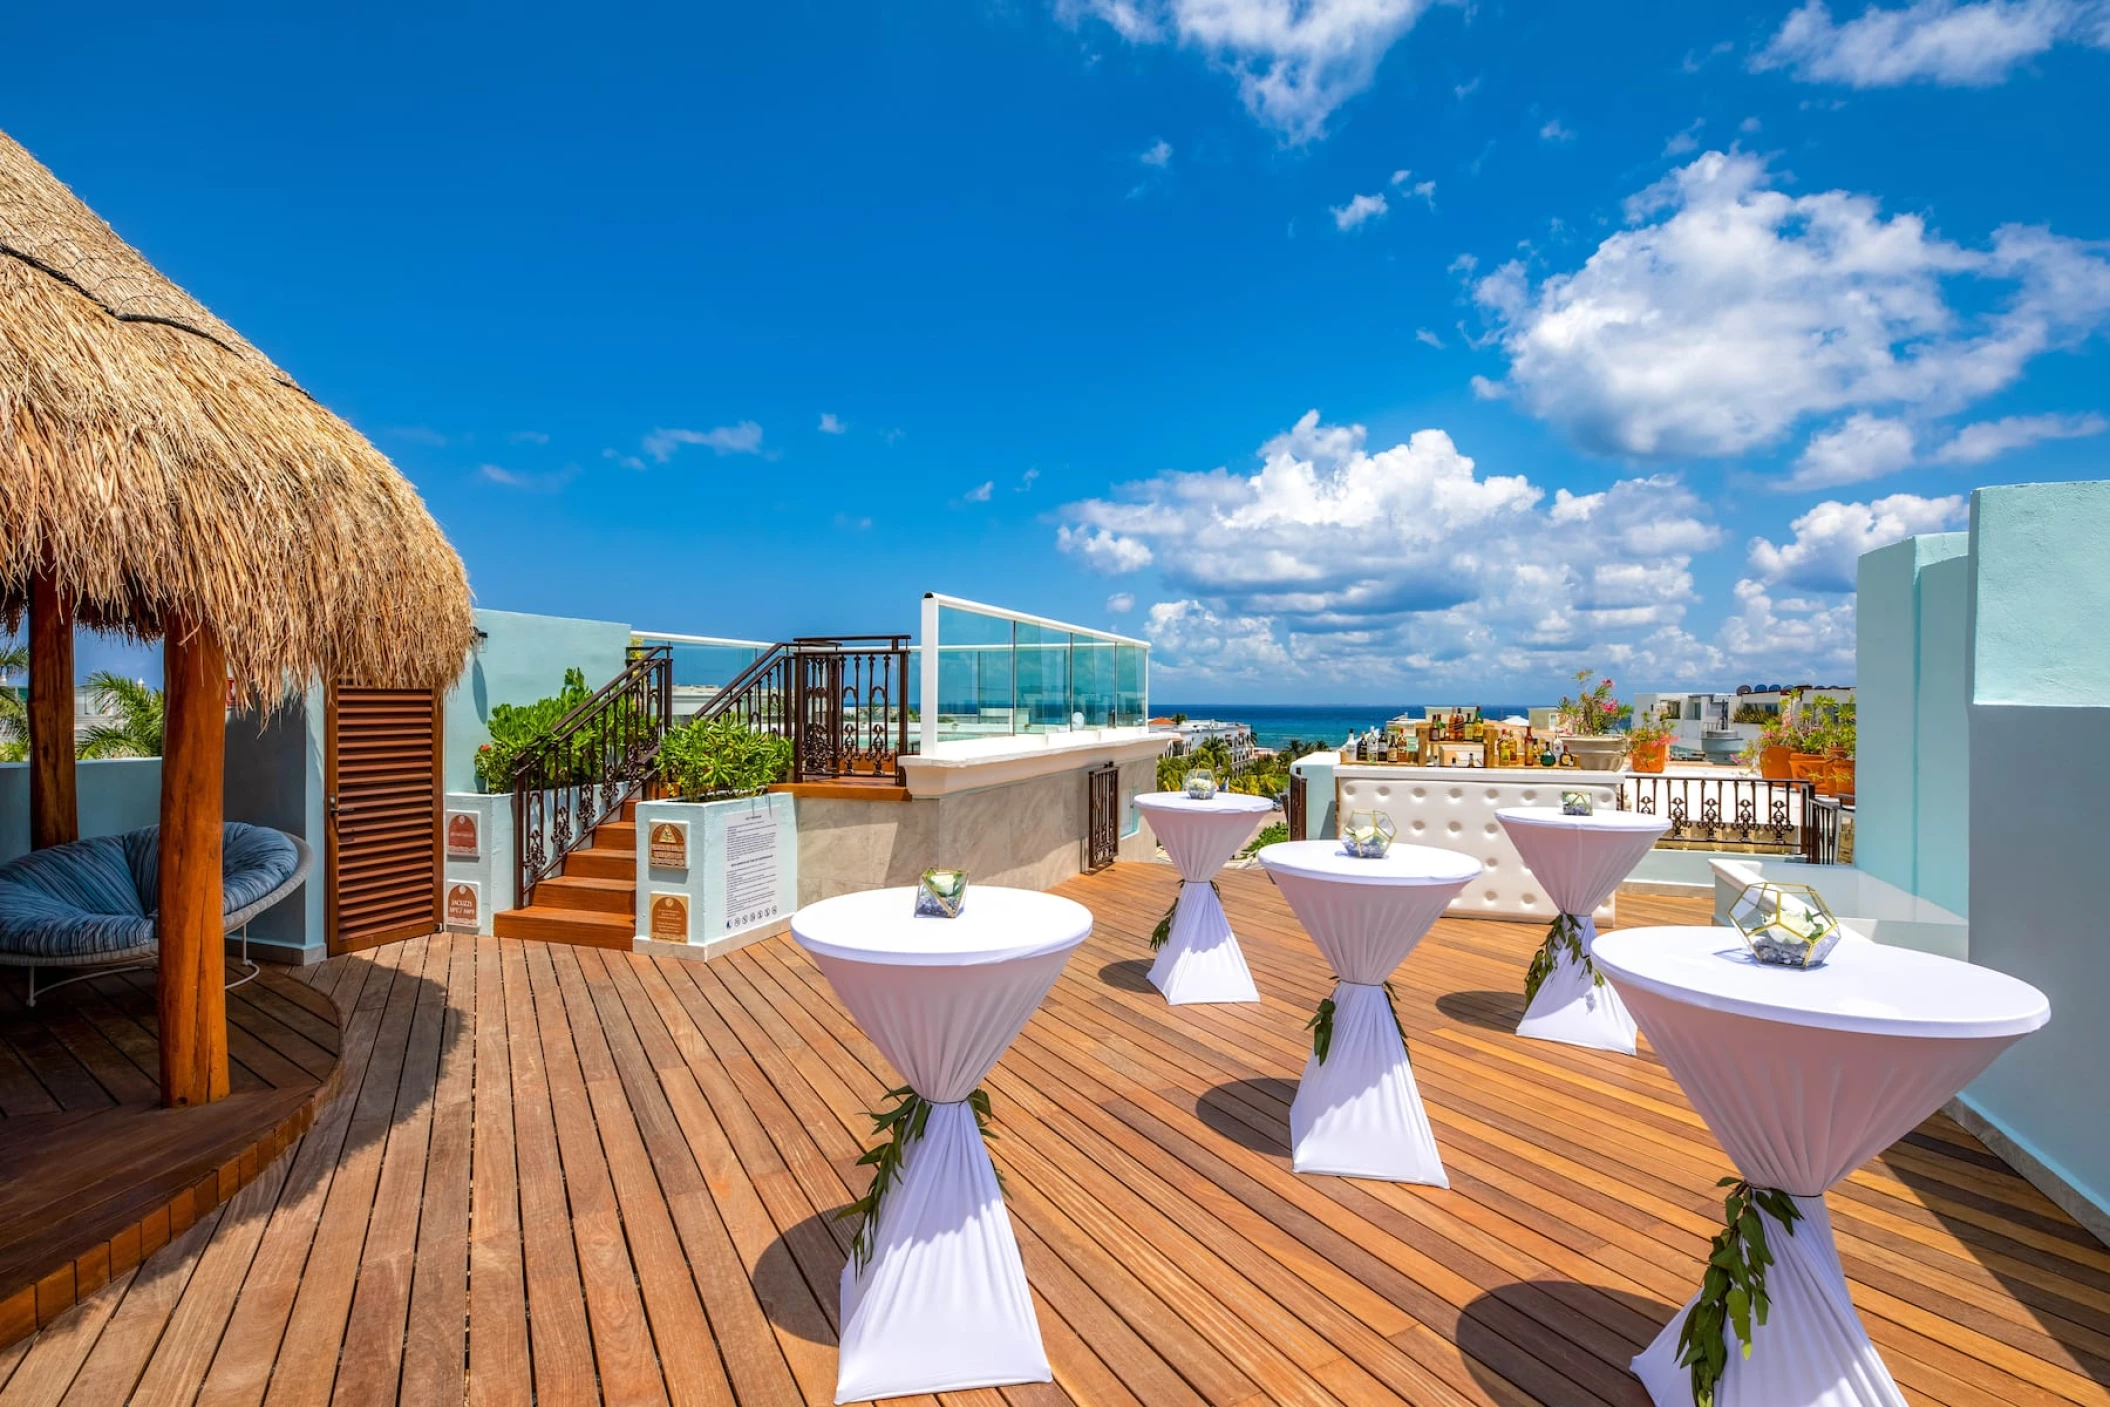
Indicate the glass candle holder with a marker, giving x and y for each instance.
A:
(1201, 784)
(1367, 835)
(941, 893)
(1577, 803)
(1786, 925)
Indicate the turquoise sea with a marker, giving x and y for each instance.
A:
(1275, 724)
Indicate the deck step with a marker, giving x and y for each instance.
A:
(597, 862)
(589, 893)
(615, 835)
(551, 925)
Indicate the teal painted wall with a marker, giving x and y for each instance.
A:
(274, 778)
(2039, 682)
(523, 660)
(114, 796)
(1911, 784)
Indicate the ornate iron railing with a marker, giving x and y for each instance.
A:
(1293, 806)
(598, 757)
(1102, 817)
(841, 699)
(1830, 832)
(1758, 814)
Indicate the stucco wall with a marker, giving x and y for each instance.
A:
(1028, 834)
(1912, 787)
(274, 778)
(119, 795)
(523, 660)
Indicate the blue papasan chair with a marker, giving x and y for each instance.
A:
(93, 903)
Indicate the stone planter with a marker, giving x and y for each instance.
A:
(1600, 753)
(1809, 767)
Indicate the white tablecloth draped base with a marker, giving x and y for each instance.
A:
(1359, 1113)
(1579, 862)
(942, 1303)
(1201, 960)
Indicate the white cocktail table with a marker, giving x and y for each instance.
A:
(1578, 861)
(1357, 1112)
(942, 1304)
(1803, 1076)
(1201, 961)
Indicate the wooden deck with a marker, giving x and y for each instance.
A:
(561, 1174)
(94, 1173)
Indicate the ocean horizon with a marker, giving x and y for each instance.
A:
(1276, 724)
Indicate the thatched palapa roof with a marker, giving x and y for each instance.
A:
(168, 471)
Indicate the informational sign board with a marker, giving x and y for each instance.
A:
(669, 845)
(670, 916)
(464, 836)
(753, 870)
(464, 906)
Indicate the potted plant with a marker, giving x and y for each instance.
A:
(1648, 745)
(1829, 741)
(1588, 725)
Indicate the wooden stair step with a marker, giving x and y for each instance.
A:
(594, 862)
(588, 893)
(615, 835)
(550, 925)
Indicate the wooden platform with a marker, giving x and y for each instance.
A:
(562, 1174)
(94, 1173)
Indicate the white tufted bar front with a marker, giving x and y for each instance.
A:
(1453, 808)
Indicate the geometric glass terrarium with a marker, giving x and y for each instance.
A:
(1367, 835)
(1577, 803)
(1201, 784)
(1786, 925)
(941, 893)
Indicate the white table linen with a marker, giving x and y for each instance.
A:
(1579, 862)
(942, 1304)
(1358, 1113)
(1201, 960)
(1803, 1076)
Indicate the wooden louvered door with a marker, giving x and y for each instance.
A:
(382, 778)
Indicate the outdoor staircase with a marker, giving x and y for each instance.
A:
(592, 899)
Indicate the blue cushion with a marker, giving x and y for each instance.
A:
(99, 895)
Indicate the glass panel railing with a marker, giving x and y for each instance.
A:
(1000, 673)
(703, 664)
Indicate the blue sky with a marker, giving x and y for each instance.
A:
(1345, 348)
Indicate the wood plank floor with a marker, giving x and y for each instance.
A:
(92, 1168)
(564, 1175)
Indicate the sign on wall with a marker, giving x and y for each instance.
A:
(464, 840)
(669, 849)
(670, 916)
(753, 868)
(464, 906)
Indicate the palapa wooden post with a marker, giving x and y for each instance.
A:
(54, 811)
(193, 949)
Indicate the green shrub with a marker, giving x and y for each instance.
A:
(517, 728)
(722, 757)
(1273, 833)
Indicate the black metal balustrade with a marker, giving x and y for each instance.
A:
(1830, 831)
(842, 700)
(1102, 817)
(598, 757)
(1762, 815)
(1293, 806)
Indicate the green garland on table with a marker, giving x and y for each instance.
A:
(905, 1123)
(1565, 935)
(1163, 931)
(1321, 1024)
(1733, 1292)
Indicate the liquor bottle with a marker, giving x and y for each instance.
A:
(1348, 749)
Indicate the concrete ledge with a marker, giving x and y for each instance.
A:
(981, 764)
(1668, 889)
(715, 948)
(2034, 1170)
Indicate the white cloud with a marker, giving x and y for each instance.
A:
(981, 492)
(1407, 562)
(1729, 312)
(743, 438)
(1296, 61)
(528, 437)
(1104, 551)
(1932, 41)
(1556, 131)
(1428, 338)
(1685, 141)
(831, 425)
(1466, 89)
(1421, 190)
(1989, 439)
(1158, 154)
(527, 482)
(1864, 446)
(1121, 603)
(1358, 210)
(1829, 539)
(1792, 637)
(628, 461)
(1025, 481)
(1750, 126)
